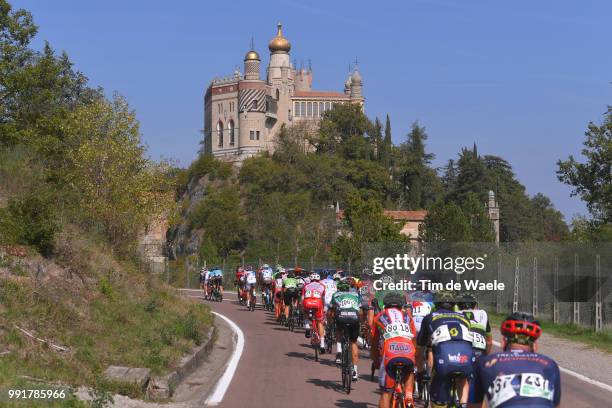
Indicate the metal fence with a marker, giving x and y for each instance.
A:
(562, 283)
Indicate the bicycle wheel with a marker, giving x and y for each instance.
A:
(347, 361)
(398, 390)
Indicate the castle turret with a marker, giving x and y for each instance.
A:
(251, 65)
(279, 48)
(356, 85)
(494, 214)
(347, 85)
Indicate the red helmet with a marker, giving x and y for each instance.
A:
(521, 328)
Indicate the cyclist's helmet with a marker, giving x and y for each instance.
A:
(315, 277)
(291, 273)
(337, 276)
(467, 301)
(343, 286)
(445, 299)
(393, 299)
(521, 328)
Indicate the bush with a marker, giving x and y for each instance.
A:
(30, 220)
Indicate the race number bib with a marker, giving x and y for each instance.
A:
(534, 385)
(397, 329)
(251, 279)
(501, 390)
(479, 341)
(421, 309)
(441, 334)
(312, 293)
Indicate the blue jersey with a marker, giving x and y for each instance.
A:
(216, 273)
(444, 325)
(517, 379)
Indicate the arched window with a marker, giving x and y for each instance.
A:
(230, 127)
(309, 109)
(254, 104)
(220, 133)
(327, 106)
(315, 109)
(277, 94)
(321, 108)
(296, 108)
(303, 113)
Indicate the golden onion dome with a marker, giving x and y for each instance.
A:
(252, 56)
(279, 43)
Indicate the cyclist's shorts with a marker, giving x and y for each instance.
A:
(278, 296)
(249, 286)
(352, 326)
(315, 304)
(450, 358)
(290, 294)
(396, 352)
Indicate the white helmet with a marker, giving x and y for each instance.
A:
(314, 277)
(265, 266)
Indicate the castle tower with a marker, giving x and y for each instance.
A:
(279, 48)
(347, 85)
(251, 65)
(494, 214)
(356, 85)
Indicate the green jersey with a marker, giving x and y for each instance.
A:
(290, 283)
(344, 301)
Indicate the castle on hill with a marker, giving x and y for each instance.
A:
(244, 112)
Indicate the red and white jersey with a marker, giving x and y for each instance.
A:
(313, 290)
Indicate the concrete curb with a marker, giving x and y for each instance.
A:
(163, 387)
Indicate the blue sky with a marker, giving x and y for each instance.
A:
(520, 78)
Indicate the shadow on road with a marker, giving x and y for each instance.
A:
(327, 384)
(346, 403)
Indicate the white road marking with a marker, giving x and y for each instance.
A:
(224, 382)
(574, 374)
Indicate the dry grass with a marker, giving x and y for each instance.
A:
(105, 311)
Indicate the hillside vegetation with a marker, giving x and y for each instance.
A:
(76, 190)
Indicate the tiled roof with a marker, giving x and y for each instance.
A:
(418, 215)
(319, 94)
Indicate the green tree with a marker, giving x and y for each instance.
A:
(221, 218)
(116, 188)
(592, 180)
(366, 222)
(481, 227)
(550, 224)
(446, 222)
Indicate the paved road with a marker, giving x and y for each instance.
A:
(277, 369)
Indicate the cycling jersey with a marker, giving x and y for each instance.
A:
(450, 336)
(290, 283)
(250, 277)
(393, 332)
(421, 304)
(346, 305)
(313, 295)
(481, 329)
(517, 378)
(277, 287)
(366, 292)
(266, 276)
(204, 276)
(330, 289)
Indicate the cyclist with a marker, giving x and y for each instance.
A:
(330, 289)
(239, 282)
(204, 275)
(266, 283)
(313, 294)
(277, 288)
(518, 376)
(393, 342)
(479, 321)
(345, 307)
(215, 279)
(250, 280)
(290, 293)
(450, 337)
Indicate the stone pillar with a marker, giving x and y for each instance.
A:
(494, 214)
